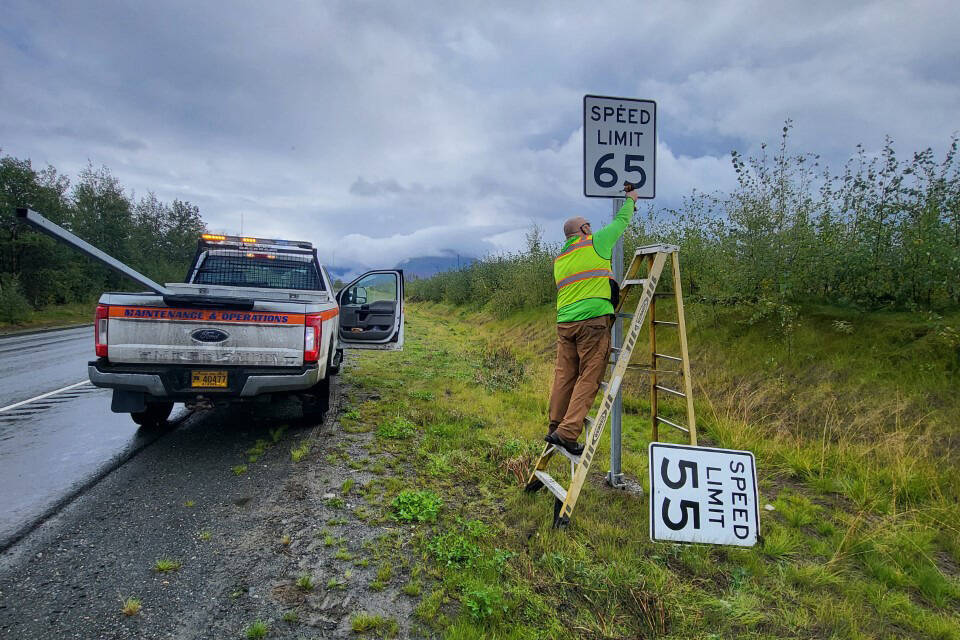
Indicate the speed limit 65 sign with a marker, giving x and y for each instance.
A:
(702, 494)
(619, 144)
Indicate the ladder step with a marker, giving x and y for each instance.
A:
(633, 281)
(551, 484)
(666, 357)
(666, 323)
(671, 391)
(673, 424)
(574, 459)
(645, 369)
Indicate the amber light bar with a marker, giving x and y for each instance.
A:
(247, 240)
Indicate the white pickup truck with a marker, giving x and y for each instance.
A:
(256, 318)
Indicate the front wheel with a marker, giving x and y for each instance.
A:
(155, 415)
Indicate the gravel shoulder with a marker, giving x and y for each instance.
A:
(242, 537)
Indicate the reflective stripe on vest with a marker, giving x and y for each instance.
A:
(578, 245)
(581, 273)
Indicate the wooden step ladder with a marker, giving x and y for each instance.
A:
(653, 258)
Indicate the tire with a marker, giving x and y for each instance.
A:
(316, 400)
(154, 416)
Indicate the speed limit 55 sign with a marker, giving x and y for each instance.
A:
(702, 494)
(619, 144)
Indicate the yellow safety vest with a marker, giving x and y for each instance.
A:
(581, 273)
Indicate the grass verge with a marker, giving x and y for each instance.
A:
(853, 419)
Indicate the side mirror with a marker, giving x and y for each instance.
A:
(360, 295)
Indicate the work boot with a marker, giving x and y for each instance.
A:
(572, 446)
(552, 427)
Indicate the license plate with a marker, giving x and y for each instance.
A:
(208, 379)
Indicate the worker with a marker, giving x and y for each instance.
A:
(585, 314)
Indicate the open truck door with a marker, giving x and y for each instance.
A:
(371, 311)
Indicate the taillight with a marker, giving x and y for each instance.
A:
(312, 331)
(100, 330)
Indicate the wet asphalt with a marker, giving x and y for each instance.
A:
(36, 363)
(89, 503)
(54, 446)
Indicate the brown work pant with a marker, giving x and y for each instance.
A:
(583, 349)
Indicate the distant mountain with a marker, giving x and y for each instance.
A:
(426, 266)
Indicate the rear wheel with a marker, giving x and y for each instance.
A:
(155, 415)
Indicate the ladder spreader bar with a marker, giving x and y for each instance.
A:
(551, 484)
(666, 323)
(672, 424)
(646, 369)
(669, 390)
(666, 357)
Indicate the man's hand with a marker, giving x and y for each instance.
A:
(633, 194)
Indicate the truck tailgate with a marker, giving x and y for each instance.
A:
(175, 335)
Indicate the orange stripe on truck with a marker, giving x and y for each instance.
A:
(167, 314)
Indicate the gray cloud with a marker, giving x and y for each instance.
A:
(381, 132)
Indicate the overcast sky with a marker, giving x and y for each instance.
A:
(388, 130)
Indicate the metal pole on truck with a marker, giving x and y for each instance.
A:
(615, 475)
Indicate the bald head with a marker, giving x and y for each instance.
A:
(572, 226)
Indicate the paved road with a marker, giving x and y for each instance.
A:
(53, 445)
(41, 362)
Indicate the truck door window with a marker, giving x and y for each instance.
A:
(376, 287)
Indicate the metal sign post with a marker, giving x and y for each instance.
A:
(615, 475)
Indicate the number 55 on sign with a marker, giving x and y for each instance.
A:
(701, 494)
(619, 144)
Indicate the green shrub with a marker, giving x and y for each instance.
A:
(398, 428)
(454, 549)
(881, 232)
(416, 506)
(14, 307)
(482, 602)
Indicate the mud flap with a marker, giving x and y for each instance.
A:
(128, 401)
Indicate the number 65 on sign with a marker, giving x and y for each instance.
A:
(701, 494)
(619, 145)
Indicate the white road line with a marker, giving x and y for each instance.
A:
(42, 395)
